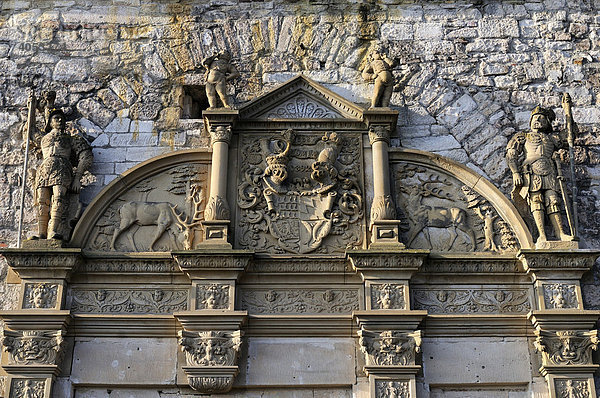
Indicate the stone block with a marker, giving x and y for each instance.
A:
(139, 154)
(7, 119)
(429, 30)
(498, 27)
(438, 143)
(134, 139)
(71, 70)
(118, 125)
(397, 31)
(141, 126)
(95, 112)
(108, 154)
(457, 110)
(298, 361)
(477, 360)
(114, 361)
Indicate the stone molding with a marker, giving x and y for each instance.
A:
(43, 263)
(213, 264)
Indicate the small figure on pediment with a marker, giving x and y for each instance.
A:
(536, 173)
(219, 70)
(379, 68)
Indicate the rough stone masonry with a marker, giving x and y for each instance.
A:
(120, 67)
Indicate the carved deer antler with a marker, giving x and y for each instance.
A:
(435, 192)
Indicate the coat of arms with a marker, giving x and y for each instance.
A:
(298, 190)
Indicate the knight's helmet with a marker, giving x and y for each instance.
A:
(56, 111)
(549, 113)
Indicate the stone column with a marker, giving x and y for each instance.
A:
(217, 214)
(384, 223)
(33, 335)
(388, 328)
(564, 330)
(211, 334)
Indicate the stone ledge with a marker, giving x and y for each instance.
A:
(106, 325)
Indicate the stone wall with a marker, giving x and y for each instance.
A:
(478, 68)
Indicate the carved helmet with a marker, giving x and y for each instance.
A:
(56, 111)
(549, 113)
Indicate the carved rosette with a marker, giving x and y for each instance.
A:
(390, 388)
(33, 347)
(213, 296)
(560, 296)
(379, 132)
(387, 296)
(40, 295)
(220, 133)
(572, 388)
(390, 348)
(566, 347)
(211, 358)
(383, 208)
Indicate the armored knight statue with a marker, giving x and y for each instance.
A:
(55, 178)
(219, 71)
(536, 176)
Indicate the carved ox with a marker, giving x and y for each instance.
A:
(161, 214)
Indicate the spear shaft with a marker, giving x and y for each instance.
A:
(566, 104)
(30, 126)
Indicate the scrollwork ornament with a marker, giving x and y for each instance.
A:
(217, 208)
(210, 385)
(27, 388)
(391, 388)
(390, 348)
(560, 296)
(157, 301)
(220, 133)
(472, 301)
(379, 132)
(570, 388)
(567, 347)
(33, 347)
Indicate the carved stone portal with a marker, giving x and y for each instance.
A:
(211, 359)
(300, 193)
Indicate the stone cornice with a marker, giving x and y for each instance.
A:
(390, 264)
(213, 264)
(56, 263)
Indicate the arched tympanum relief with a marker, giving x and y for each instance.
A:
(155, 206)
(446, 207)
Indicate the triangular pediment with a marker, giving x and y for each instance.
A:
(301, 98)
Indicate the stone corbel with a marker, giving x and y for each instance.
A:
(384, 225)
(217, 214)
(33, 335)
(212, 328)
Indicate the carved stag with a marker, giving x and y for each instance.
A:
(423, 216)
(134, 215)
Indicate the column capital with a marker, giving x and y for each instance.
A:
(379, 132)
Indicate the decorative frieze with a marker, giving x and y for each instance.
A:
(566, 347)
(387, 296)
(300, 300)
(572, 388)
(472, 301)
(33, 347)
(391, 388)
(299, 265)
(390, 261)
(40, 295)
(560, 296)
(486, 266)
(129, 265)
(390, 348)
(27, 388)
(131, 301)
(213, 296)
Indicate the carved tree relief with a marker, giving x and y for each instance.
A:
(300, 193)
(160, 213)
(442, 214)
